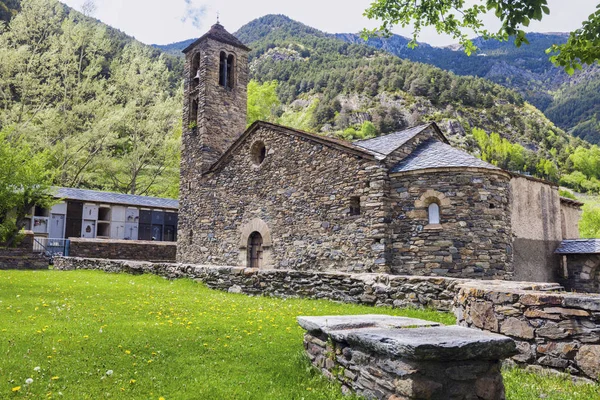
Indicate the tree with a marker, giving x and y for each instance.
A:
(24, 182)
(262, 101)
(145, 140)
(589, 226)
(454, 17)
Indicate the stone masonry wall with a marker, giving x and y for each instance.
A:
(370, 289)
(299, 197)
(473, 239)
(383, 357)
(141, 250)
(221, 114)
(22, 256)
(556, 330)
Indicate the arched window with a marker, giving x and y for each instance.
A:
(193, 123)
(226, 70)
(195, 70)
(434, 214)
(230, 71)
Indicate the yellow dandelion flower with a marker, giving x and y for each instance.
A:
(161, 398)
(132, 381)
(127, 351)
(16, 388)
(54, 378)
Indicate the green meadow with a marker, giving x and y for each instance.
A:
(92, 335)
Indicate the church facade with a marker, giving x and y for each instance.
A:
(405, 203)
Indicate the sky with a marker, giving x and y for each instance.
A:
(168, 21)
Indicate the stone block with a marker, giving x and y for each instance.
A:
(517, 328)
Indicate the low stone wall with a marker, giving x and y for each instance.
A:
(22, 256)
(141, 250)
(556, 330)
(371, 289)
(383, 357)
(21, 259)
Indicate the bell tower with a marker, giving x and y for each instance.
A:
(214, 103)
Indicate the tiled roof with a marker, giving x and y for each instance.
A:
(218, 33)
(388, 143)
(571, 202)
(97, 196)
(435, 154)
(579, 246)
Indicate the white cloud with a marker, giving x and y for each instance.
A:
(160, 21)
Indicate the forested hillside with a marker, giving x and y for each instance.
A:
(103, 108)
(571, 102)
(353, 91)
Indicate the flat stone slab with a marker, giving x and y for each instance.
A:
(328, 324)
(441, 343)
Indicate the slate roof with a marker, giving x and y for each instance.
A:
(579, 246)
(386, 144)
(218, 32)
(435, 154)
(97, 196)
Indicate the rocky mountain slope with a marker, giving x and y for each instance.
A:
(571, 102)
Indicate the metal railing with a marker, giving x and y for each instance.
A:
(51, 247)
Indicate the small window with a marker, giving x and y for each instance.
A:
(258, 153)
(355, 205)
(434, 214)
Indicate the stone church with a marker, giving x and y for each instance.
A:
(269, 196)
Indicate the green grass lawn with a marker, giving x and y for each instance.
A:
(91, 335)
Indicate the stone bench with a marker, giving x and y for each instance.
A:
(385, 357)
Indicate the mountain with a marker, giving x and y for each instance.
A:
(339, 85)
(106, 109)
(571, 102)
(8, 9)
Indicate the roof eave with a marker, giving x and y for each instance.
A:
(497, 171)
(239, 45)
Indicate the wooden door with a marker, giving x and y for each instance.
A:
(255, 250)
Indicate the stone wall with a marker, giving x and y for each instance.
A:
(473, 239)
(536, 229)
(383, 357)
(298, 198)
(22, 256)
(123, 249)
(553, 330)
(370, 289)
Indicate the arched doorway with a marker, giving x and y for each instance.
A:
(255, 250)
